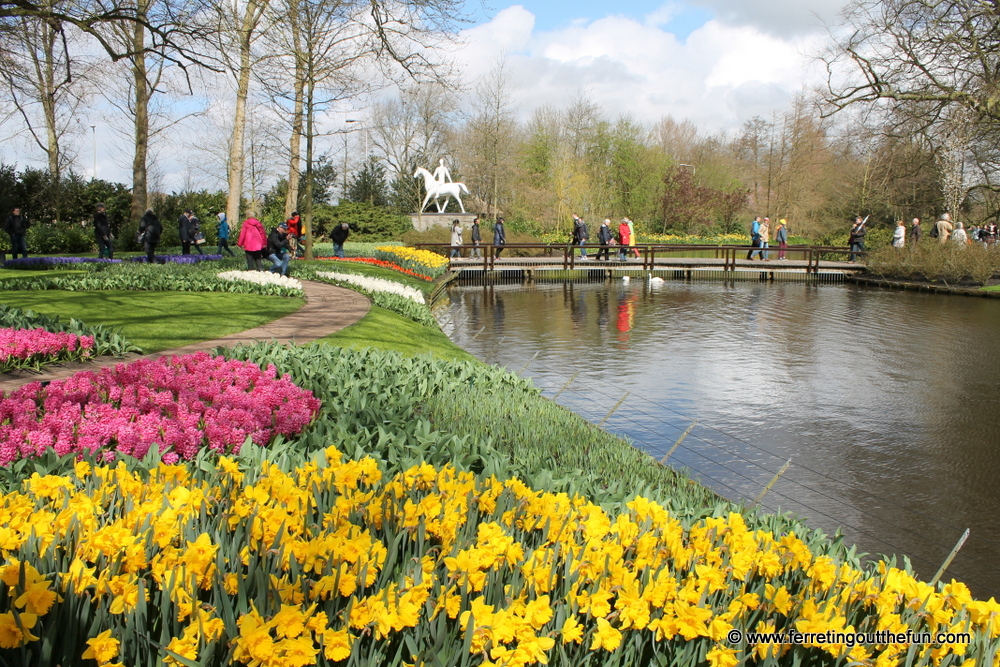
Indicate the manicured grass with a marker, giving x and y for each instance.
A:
(7, 274)
(383, 329)
(366, 270)
(160, 320)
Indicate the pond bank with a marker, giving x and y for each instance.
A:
(921, 286)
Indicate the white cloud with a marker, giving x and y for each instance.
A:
(719, 76)
(777, 17)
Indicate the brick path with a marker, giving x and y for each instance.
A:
(328, 309)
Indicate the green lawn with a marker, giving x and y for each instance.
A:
(159, 320)
(6, 274)
(389, 331)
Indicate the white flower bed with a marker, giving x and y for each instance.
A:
(375, 284)
(262, 278)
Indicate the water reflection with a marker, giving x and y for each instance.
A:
(886, 401)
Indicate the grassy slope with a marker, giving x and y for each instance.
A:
(160, 320)
(388, 331)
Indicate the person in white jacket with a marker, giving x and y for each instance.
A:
(456, 239)
(899, 236)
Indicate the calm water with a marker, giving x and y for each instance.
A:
(887, 402)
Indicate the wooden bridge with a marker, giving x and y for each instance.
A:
(533, 261)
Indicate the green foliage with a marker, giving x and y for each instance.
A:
(368, 184)
(368, 223)
(61, 214)
(155, 278)
(933, 261)
(107, 341)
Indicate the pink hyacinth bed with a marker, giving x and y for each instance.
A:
(179, 405)
(20, 348)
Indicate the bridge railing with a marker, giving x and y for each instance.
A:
(648, 252)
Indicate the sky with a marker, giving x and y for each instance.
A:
(717, 63)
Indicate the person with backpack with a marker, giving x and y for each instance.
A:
(16, 227)
(222, 234)
(102, 233)
(754, 238)
(150, 231)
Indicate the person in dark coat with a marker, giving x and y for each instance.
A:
(605, 236)
(102, 233)
(184, 229)
(857, 238)
(278, 249)
(915, 232)
(477, 238)
(194, 229)
(16, 226)
(150, 231)
(339, 237)
(499, 237)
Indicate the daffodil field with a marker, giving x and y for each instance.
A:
(395, 530)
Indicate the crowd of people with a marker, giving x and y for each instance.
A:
(476, 238)
(760, 239)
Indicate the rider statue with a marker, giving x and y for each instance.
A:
(441, 173)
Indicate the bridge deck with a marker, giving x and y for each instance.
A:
(557, 264)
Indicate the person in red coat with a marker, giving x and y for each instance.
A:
(624, 238)
(253, 240)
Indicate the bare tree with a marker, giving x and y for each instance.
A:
(46, 85)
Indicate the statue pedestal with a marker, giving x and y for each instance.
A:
(424, 221)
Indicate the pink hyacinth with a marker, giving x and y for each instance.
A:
(179, 405)
(30, 345)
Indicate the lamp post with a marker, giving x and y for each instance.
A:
(93, 129)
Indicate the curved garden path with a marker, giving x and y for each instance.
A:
(328, 309)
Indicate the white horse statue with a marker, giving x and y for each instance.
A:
(437, 189)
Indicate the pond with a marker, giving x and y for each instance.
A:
(886, 401)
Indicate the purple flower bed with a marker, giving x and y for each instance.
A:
(178, 259)
(42, 263)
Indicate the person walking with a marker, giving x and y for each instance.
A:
(605, 236)
(631, 237)
(456, 238)
(222, 234)
(624, 238)
(781, 236)
(580, 235)
(499, 238)
(253, 240)
(960, 237)
(477, 239)
(295, 234)
(197, 238)
(989, 234)
(915, 232)
(150, 231)
(338, 236)
(184, 230)
(102, 233)
(765, 238)
(754, 238)
(16, 227)
(944, 228)
(857, 238)
(278, 250)
(899, 235)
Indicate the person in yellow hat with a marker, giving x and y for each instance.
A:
(781, 236)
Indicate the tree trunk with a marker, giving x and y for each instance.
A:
(142, 94)
(236, 153)
(295, 143)
(307, 219)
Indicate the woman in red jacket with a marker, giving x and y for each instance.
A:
(253, 240)
(624, 238)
